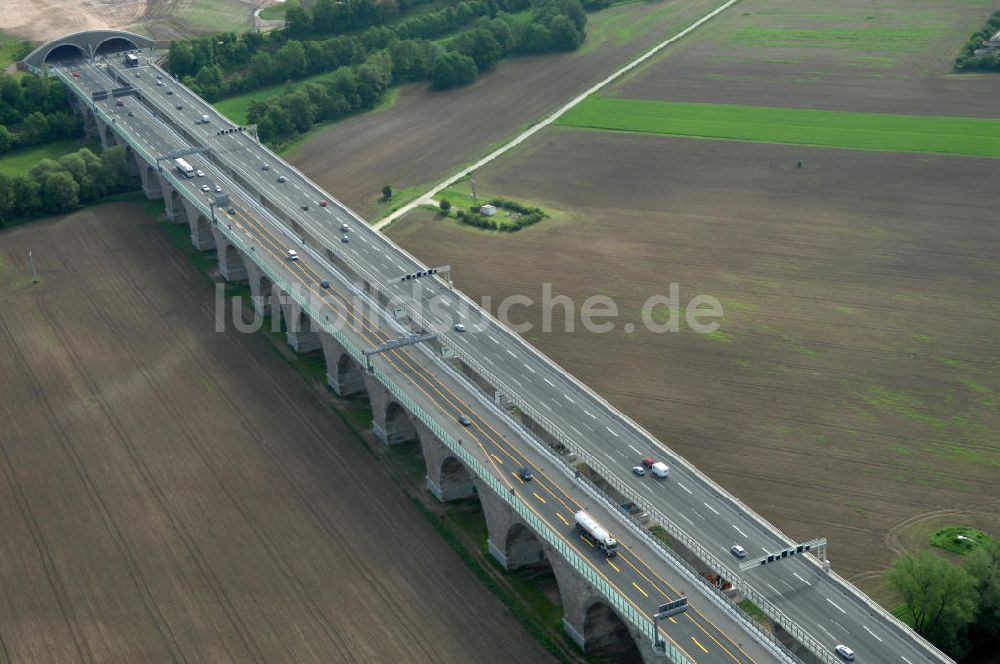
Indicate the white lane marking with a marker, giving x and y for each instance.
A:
(611, 431)
(739, 531)
(685, 518)
(578, 432)
(839, 625)
(905, 660)
(865, 627)
(699, 515)
(549, 382)
(515, 380)
(796, 575)
(609, 456)
(509, 352)
(684, 487)
(764, 549)
(835, 606)
(568, 399)
(590, 414)
(828, 632)
(776, 591)
(711, 508)
(646, 487)
(790, 586)
(529, 368)
(492, 339)
(547, 406)
(635, 450)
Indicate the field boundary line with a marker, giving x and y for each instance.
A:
(549, 119)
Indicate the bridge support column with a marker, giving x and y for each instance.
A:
(232, 263)
(173, 202)
(108, 137)
(260, 288)
(447, 477)
(344, 376)
(201, 230)
(150, 179)
(510, 541)
(298, 325)
(89, 119)
(390, 422)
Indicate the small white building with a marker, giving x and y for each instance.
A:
(488, 210)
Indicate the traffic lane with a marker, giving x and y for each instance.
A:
(454, 409)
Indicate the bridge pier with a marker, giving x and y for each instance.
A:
(260, 288)
(201, 231)
(106, 133)
(344, 376)
(298, 326)
(390, 422)
(447, 477)
(232, 263)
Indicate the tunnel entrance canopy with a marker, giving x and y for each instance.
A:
(86, 44)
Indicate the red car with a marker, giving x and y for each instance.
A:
(77, 74)
(647, 462)
(322, 203)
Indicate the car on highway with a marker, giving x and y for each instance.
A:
(265, 167)
(638, 471)
(292, 255)
(459, 327)
(119, 103)
(345, 239)
(159, 82)
(738, 551)
(324, 283)
(159, 77)
(205, 188)
(322, 203)
(169, 91)
(525, 473)
(179, 107)
(131, 114)
(200, 174)
(647, 462)
(305, 207)
(282, 178)
(845, 652)
(231, 210)
(344, 228)
(218, 189)
(464, 421)
(76, 74)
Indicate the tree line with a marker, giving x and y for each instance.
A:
(34, 110)
(55, 186)
(968, 61)
(955, 607)
(365, 66)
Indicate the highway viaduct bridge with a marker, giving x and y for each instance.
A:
(419, 392)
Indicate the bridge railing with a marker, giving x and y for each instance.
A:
(543, 421)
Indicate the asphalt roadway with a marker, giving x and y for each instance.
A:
(820, 604)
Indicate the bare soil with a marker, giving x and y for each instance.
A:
(42, 20)
(427, 135)
(169, 493)
(880, 56)
(855, 382)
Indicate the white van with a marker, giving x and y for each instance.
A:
(660, 469)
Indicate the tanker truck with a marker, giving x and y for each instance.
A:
(595, 533)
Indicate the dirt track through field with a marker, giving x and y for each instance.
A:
(172, 494)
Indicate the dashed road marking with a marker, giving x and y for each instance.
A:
(835, 606)
(634, 450)
(492, 339)
(562, 518)
(611, 431)
(684, 487)
(796, 575)
(537, 496)
(865, 627)
(529, 368)
(550, 383)
(776, 591)
(740, 531)
(703, 649)
(613, 565)
(828, 633)
(510, 352)
(644, 593)
(590, 414)
(711, 508)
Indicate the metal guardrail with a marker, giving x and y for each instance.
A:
(780, 617)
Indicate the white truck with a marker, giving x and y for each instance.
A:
(595, 533)
(185, 168)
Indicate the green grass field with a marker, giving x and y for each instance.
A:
(19, 161)
(867, 131)
(9, 47)
(276, 12)
(958, 539)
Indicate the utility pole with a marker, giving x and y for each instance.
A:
(472, 181)
(34, 274)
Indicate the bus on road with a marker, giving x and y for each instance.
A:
(184, 167)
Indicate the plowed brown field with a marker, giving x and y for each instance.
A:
(169, 494)
(855, 382)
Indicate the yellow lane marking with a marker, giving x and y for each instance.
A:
(537, 496)
(615, 566)
(518, 477)
(562, 518)
(499, 460)
(644, 593)
(699, 645)
(671, 619)
(376, 336)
